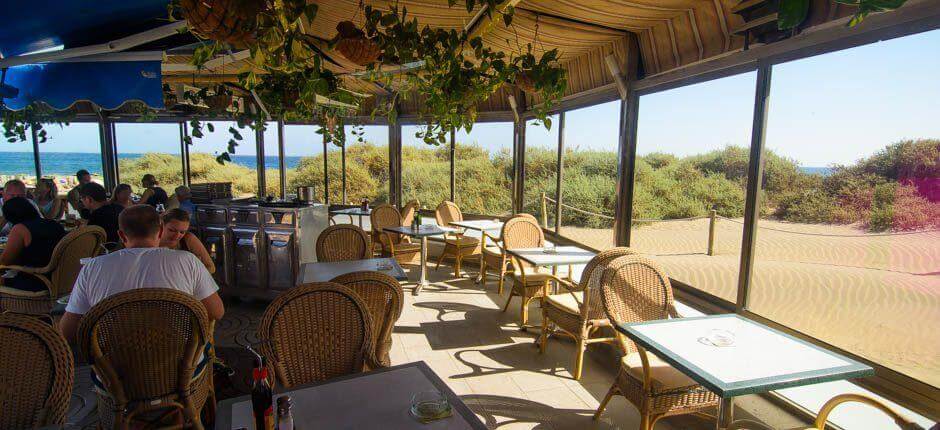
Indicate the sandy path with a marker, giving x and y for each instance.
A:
(876, 295)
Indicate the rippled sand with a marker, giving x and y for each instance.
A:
(875, 295)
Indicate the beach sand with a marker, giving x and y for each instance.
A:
(874, 295)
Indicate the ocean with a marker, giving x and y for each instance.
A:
(67, 163)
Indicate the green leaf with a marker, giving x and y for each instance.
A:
(792, 13)
(470, 5)
(507, 19)
(310, 11)
(210, 127)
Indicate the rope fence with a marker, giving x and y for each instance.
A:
(713, 218)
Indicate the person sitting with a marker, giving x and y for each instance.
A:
(141, 264)
(153, 195)
(30, 242)
(47, 198)
(122, 195)
(12, 189)
(176, 235)
(103, 213)
(74, 197)
(185, 197)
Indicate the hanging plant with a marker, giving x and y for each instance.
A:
(19, 124)
(229, 21)
(792, 13)
(354, 45)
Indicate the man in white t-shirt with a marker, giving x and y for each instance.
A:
(141, 264)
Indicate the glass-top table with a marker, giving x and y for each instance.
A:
(356, 211)
(423, 232)
(483, 226)
(732, 356)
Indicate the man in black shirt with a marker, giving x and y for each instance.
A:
(103, 214)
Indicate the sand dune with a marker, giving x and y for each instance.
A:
(875, 295)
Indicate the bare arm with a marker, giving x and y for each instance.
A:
(68, 325)
(214, 307)
(16, 241)
(194, 245)
(148, 193)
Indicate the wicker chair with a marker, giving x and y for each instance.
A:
(635, 289)
(455, 244)
(408, 211)
(902, 422)
(58, 276)
(528, 282)
(148, 348)
(36, 369)
(315, 332)
(495, 258)
(384, 298)
(392, 244)
(343, 242)
(578, 312)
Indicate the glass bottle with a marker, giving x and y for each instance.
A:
(285, 419)
(262, 399)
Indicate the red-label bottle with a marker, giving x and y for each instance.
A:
(262, 400)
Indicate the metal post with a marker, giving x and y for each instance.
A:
(281, 163)
(326, 173)
(560, 165)
(108, 153)
(343, 162)
(36, 162)
(453, 177)
(626, 168)
(184, 153)
(754, 173)
(394, 164)
(259, 145)
(712, 220)
(518, 159)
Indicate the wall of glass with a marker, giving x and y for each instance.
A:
(483, 168)
(691, 172)
(272, 177)
(541, 171)
(68, 149)
(303, 158)
(589, 179)
(425, 174)
(241, 171)
(334, 159)
(153, 148)
(367, 164)
(848, 243)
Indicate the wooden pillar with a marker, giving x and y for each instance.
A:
(453, 177)
(108, 153)
(560, 166)
(259, 148)
(281, 163)
(394, 164)
(343, 162)
(184, 152)
(36, 163)
(326, 173)
(626, 169)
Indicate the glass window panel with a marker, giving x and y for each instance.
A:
(272, 176)
(541, 171)
(152, 148)
(483, 170)
(589, 180)
(367, 165)
(334, 159)
(847, 243)
(425, 169)
(241, 171)
(68, 149)
(692, 157)
(303, 157)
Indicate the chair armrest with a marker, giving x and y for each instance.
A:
(569, 286)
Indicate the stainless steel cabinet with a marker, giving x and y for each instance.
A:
(245, 258)
(281, 261)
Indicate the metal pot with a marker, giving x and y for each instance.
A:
(306, 194)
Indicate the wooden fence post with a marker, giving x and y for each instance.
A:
(544, 211)
(712, 220)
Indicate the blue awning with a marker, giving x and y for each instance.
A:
(108, 84)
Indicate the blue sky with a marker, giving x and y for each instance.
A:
(833, 108)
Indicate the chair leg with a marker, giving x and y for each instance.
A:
(440, 258)
(502, 277)
(483, 273)
(579, 360)
(543, 337)
(525, 311)
(457, 265)
(508, 301)
(644, 421)
(603, 405)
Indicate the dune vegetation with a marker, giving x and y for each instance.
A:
(894, 189)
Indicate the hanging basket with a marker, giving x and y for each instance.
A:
(525, 82)
(355, 46)
(231, 21)
(219, 102)
(289, 98)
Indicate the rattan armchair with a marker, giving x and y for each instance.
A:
(384, 298)
(391, 244)
(577, 311)
(902, 422)
(315, 332)
(634, 289)
(495, 258)
(36, 368)
(408, 211)
(58, 276)
(343, 242)
(527, 281)
(148, 349)
(455, 244)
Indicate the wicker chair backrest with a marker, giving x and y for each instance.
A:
(522, 232)
(384, 298)
(315, 332)
(385, 215)
(342, 242)
(635, 289)
(145, 344)
(591, 307)
(447, 212)
(408, 212)
(83, 242)
(36, 371)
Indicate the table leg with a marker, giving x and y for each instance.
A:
(360, 221)
(423, 278)
(482, 247)
(725, 412)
